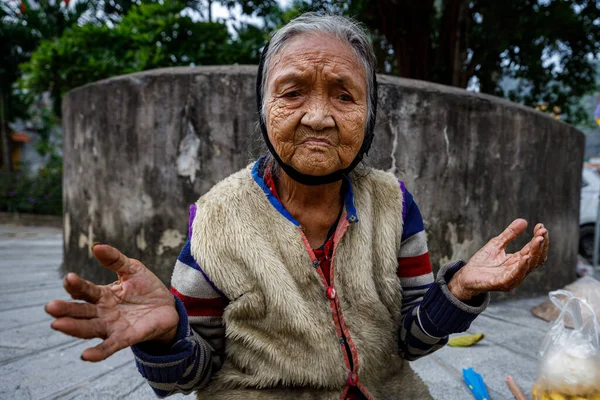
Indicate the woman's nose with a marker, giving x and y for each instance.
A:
(318, 117)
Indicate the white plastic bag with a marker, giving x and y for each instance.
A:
(570, 358)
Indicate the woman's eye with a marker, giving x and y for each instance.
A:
(292, 94)
(345, 97)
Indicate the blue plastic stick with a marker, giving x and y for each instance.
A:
(475, 383)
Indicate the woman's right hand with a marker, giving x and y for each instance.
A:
(136, 308)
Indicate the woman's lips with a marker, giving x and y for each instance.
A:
(316, 142)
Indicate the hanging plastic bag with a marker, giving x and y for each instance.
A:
(570, 358)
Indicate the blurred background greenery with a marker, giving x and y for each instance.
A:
(541, 53)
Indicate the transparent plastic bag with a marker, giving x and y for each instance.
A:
(570, 358)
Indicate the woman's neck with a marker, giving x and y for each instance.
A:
(309, 197)
(315, 207)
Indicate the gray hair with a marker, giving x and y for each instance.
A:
(344, 28)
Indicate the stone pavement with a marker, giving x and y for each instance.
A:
(39, 363)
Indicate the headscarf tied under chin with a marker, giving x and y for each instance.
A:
(313, 180)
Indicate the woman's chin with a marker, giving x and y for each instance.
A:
(316, 167)
(316, 161)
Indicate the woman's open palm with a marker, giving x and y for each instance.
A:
(136, 308)
(493, 269)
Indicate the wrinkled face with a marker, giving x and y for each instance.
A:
(316, 104)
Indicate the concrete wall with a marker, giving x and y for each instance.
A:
(140, 148)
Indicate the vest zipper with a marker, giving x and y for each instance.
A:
(316, 264)
(347, 348)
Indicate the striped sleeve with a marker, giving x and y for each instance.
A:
(198, 351)
(429, 311)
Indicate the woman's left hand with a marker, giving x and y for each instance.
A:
(492, 269)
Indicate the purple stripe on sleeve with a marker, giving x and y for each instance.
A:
(210, 282)
(186, 257)
(192, 216)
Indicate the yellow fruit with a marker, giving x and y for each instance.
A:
(465, 340)
(556, 396)
(536, 392)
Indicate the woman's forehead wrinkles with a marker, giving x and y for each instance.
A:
(315, 56)
(330, 71)
(288, 75)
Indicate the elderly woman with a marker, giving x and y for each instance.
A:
(301, 278)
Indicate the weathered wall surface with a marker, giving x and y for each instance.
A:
(140, 148)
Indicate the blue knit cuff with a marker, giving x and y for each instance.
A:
(443, 313)
(182, 348)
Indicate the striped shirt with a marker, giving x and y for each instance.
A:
(428, 316)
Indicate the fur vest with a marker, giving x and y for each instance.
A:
(285, 326)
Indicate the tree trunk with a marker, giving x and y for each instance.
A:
(407, 26)
(451, 52)
(4, 137)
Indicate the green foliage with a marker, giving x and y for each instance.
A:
(114, 10)
(40, 194)
(148, 36)
(21, 33)
(587, 106)
(266, 9)
(246, 48)
(549, 47)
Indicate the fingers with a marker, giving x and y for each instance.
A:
(101, 352)
(81, 328)
(59, 308)
(111, 258)
(545, 248)
(538, 246)
(516, 228)
(543, 232)
(524, 262)
(535, 252)
(519, 265)
(533, 249)
(540, 230)
(80, 289)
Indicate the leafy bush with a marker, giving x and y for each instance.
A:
(41, 194)
(149, 36)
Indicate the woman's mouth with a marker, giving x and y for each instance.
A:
(312, 141)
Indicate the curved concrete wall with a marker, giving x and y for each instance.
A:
(140, 148)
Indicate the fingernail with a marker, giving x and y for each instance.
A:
(94, 245)
(81, 357)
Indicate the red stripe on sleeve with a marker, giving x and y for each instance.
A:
(197, 307)
(409, 267)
